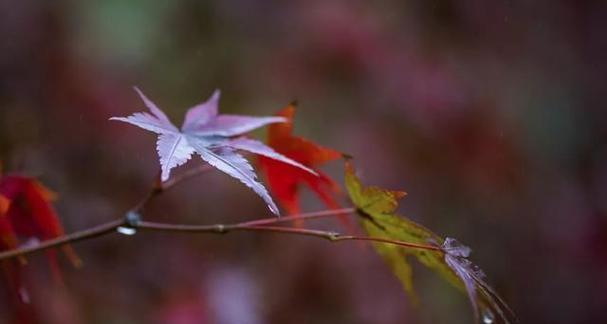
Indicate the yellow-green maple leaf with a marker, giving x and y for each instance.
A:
(377, 207)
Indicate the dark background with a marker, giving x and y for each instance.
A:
(491, 114)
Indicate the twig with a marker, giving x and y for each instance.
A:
(159, 187)
(185, 175)
(251, 226)
(303, 217)
(86, 234)
(132, 219)
(331, 236)
(111, 226)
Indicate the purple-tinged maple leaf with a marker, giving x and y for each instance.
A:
(473, 278)
(216, 138)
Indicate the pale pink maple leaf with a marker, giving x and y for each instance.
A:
(216, 138)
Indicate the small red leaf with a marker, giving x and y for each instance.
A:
(284, 179)
(30, 215)
(26, 214)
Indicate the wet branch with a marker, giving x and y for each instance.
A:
(132, 220)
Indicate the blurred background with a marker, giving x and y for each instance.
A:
(491, 115)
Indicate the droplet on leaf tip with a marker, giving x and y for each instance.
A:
(488, 316)
(126, 230)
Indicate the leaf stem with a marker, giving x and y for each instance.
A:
(159, 187)
(303, 216)
(175, 180)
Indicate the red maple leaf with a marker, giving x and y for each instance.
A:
(7, 234)
(284, 180)
(26, 214)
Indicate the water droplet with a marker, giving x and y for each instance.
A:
(126, 230)
(488, 317)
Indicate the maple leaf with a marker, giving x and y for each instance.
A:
(8, 241)
(284, 180)
(377, 207)
(29, 214)
(4, 204)
(7, 235)
(213, 137)
(26, 216)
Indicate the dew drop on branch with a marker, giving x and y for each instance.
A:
(488, 316)
(126, 230)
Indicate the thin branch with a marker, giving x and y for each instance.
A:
(250, 226)
(185, 176)
(387, 241)
(99, 230)
(159, 187)
(303, 217)
(224, 229)
(111, 226)
(133, 220)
